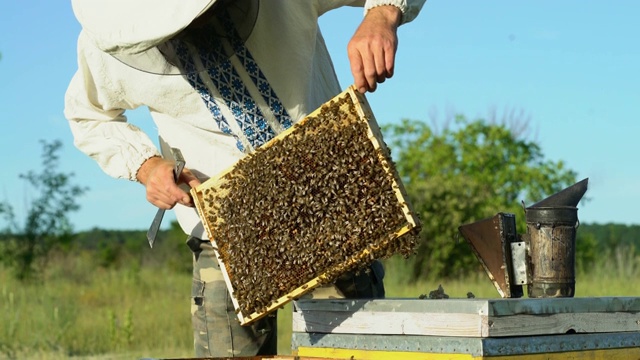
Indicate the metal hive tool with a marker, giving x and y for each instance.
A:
(320, 199)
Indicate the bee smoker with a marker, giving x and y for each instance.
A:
(543, 259)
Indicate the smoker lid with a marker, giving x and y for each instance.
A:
(570, 196)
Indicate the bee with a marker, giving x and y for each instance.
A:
(310, 204)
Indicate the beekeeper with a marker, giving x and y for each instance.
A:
(220, 78)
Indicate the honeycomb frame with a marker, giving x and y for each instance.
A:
(385, 245)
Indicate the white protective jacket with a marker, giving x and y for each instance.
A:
(284, 74)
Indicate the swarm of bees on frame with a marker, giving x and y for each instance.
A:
(320, 201)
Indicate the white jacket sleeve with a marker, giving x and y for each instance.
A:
(410, 8)
(95, 111)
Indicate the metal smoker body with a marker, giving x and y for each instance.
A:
(543, 258)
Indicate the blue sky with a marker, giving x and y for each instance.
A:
(571, 67)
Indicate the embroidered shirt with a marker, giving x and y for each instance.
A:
(219, 113)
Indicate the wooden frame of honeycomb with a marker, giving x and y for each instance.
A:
(320, 199)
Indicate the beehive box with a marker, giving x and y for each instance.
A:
(552, 328)
(320, 199)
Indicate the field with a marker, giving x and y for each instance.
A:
(82, 311)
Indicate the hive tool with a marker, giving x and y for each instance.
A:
(157, 220)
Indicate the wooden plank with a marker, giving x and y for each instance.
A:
(258, 357)
(562, 323)
(604, 354)
(408, 343)
(353, 354)
(284, 357)
(392, 323)
(544, 306)
(464, 306)
(468, 317)
(505, 346)
(491, 307)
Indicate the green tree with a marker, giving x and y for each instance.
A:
(470, 171)
(25, 247)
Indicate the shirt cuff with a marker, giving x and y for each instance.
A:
(400, 4)
(136, 163)
(409, 8)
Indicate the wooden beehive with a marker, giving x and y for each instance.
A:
(320, 199)
(541, 328)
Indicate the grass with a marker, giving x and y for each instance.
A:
(81, 311)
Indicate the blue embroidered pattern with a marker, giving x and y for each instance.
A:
(255, 73)
(255, 129)
(196, 82)
(236, 96)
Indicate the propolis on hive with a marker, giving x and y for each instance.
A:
(320, 199)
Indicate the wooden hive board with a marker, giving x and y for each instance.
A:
(320, 199)
(470, 318)
(622, 345)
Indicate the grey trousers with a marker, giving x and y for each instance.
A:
(217, 332)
